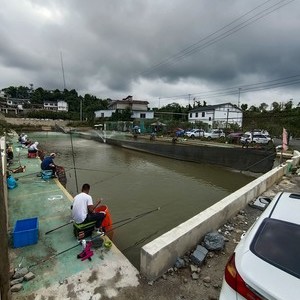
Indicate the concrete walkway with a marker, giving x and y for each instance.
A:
(53, 259)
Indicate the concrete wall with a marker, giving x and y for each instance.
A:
(161, 254)
(4, 265)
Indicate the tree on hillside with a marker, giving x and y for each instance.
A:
(288, 105)
(124, 115)
(276, 106)
(263, 107)
(38, 96)
(244, 107)
(11, 91)
(253, 108)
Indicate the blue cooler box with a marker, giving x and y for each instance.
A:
(25, 232)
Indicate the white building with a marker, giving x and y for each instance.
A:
(58, 105)
(3, 94)
(62, 105)
(217, 116)
(139, 108)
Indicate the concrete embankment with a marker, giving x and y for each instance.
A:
(160, 254)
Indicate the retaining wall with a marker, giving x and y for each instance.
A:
(159, 255)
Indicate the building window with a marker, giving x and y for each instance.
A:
(143, 116)
(196, 115)
(191, 115)
(209, 119)
(102, 115)
(203, 114)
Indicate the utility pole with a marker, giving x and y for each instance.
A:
(63, 71)
(239, 98)
(80, 110)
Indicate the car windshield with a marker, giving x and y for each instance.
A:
(277, 242)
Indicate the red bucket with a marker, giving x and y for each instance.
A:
(107, 222)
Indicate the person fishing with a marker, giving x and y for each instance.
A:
(48, 164)
(33, 148)
(83, 209)
(11, 181)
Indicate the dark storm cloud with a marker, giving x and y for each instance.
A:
(112, 48)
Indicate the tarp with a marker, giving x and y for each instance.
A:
(158, 124)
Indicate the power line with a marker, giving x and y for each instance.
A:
(242, 89)
(198, 46)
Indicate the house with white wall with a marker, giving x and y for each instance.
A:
(62, 106)
(217, 116)
(54, 105)
(139, 108)
(3, 95)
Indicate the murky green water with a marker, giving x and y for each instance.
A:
(133, 183)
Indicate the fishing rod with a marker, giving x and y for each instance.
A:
(74, 161)
(258, 162)
(140, 241)
(68, 249)
(124, 220)
(133, 219)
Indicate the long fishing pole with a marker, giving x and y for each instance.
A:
(140, 241)
(124, 220)
(134, 218)
(74, 162)
(68, 249)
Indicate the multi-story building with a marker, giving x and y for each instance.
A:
(217, 116)
(138, 108)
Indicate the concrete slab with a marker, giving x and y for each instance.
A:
(53, 259)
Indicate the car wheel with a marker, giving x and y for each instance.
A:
(209, 137)
(192, 136)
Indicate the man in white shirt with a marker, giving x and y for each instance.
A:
(83, 209)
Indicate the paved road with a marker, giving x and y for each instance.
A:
(294, 143)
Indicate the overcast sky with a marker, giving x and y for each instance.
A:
(155, 50)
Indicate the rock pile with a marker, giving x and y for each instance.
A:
(18, 276)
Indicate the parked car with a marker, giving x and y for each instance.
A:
(257, 138)
(195, 133)
(234, 137)
(214, 134)
(266, 262)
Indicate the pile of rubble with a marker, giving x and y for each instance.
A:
(18, 276)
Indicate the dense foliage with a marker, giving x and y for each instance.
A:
(272, 118)
(77, 104)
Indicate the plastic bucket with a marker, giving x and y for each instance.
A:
(107, 222)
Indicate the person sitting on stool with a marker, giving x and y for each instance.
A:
(48, 164)
(83, 209)
(33, 148)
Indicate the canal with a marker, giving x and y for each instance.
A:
(133, 183)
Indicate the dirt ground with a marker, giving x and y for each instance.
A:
(178, 284)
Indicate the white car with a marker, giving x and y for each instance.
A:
(256, 138)
(214, 134)
(266, 263)
(194, 133)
